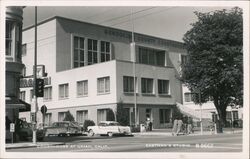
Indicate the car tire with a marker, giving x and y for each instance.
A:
(91, 133)
(110, 134)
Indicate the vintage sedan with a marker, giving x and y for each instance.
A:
(63, 128)
(109, 128)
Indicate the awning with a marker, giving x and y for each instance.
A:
(13, 102)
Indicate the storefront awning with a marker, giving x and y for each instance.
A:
(13, 102)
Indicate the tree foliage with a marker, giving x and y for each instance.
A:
(69, 117)
(214, 65)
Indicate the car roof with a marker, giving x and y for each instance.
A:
(108, 122)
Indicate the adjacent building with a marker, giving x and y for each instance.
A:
(90, 69)
(14, 66)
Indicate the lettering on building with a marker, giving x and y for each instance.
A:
(28, 82)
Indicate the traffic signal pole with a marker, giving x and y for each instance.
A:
(34, 81)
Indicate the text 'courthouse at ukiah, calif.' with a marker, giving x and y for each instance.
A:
(90, 69)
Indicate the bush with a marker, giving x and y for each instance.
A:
(88, 123)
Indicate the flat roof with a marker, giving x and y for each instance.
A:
(176, 43)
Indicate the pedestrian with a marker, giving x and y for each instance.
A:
(190, 125)
(179, 126)
(175, 124)
(185, 124)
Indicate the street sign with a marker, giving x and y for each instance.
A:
(44, 109)
(12, 127)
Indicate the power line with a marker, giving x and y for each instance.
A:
(126, 15)
(144, 16)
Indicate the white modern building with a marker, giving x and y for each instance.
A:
(90, 70)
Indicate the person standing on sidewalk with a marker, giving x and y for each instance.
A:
(179, 126)
(190, 125)
(175, 125)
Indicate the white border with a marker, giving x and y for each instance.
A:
(194, 155)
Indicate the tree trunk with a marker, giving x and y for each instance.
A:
(221, 109)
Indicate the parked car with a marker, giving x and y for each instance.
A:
(25, 132)
(108, 128)
(63, 128)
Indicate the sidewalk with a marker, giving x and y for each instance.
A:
(168, 132)
(30, 144)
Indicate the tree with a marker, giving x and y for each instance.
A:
(122, 115)
(214, 65)
(68, 116)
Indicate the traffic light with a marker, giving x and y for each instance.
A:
(39, 87)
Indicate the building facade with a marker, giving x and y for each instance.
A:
(14, 66)
(90, 70)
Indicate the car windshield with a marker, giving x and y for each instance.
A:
(114, 124)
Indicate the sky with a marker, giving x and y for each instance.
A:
(165, 22)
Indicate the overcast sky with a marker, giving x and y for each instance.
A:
(165, 22)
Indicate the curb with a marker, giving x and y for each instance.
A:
(31, 145)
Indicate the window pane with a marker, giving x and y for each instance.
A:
(76, 42)
(107, 84)
(102, 46)
(82, 55)
(82, 43)
(107, 47)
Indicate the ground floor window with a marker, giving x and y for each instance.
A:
(165, 115)
(48, 119)
(61, 116)
(81, 116)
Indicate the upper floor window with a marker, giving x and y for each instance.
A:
(92, 51)
(105, 51)
(188, 97)
(151, 56)
(147, 85)
(24, 49)
(47, 93)
(163, 87)
(128, 84)
(82, 88)
(78, 52)
(22, 95)
(103, 85)
(63, 91)
(8, 37)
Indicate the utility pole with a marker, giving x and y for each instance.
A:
(133, 53)
(34, 81)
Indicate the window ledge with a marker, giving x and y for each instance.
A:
(47, 100)
(148, 94)
(130, 93)
(81, 96)
(105, 93)
(63, 98)
(164, 95)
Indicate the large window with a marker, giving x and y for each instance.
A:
(128, 84)
(103, 85)
(81, 116)
(63, 91)
(165, 116)
(82, 88)
(105, 51)
(151, 56)
(163, 87)
(147, 85)
(47, 93)
(78, 51)
(92, 51)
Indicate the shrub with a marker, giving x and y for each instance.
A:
(88, 123)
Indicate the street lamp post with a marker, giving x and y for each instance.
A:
(34, 83)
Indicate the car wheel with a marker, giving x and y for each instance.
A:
(91, 133)
(110, 134)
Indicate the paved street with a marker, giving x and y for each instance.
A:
(140, 143)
